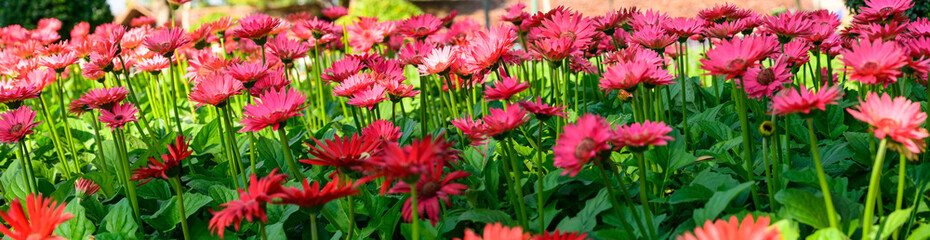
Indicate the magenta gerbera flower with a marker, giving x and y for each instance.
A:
(568, 24)
(805, 100)
(874, 62)
(580, 142)
(432, 187)
(104, 98)
(788, 25)
(542, 110)
(653, 37)
(247, 72)
(504, 89)
(486, 48)
(639, 136)
(119, 115)
(16, 124)
(166, 41)
(215, 90)
(765, 81)
(473, 130)
(733, 57)
(420, 26)
(499, 122)
(286, 49)
(272, 109)
(368, 98)
(381, 130)
(333, 13)
(683, 27)
(438, 61)
(898, 119)
(257, 27)
(342, 69)
(12, 93)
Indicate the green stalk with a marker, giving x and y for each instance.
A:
(55, 139)
(99, 142)
(684, 93)
(741, 103)
(67, 130)
(319, 80)
(416, 214)
(124, 165)
(821, 176)
(899, 200)
(261, 230)
(229, 147)
(517, 185)
(874, 181)
(174, 99)
(768, 174)
(613, 202)
(541, 204)
(24, 164)
(313, 231)
(289, 156)
(135, 100)
(643, 192)
(176, 183)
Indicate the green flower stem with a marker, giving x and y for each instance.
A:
(99, 142)
(313, 231)
(643, 193)
(613, 202)
(261, 230)
(176, 183)
(424, 105)
(541, 203)
(899, 199)
(872, 193)
(67, 126)
(821, 176)
(55, 139)
(319, 81)
(768, 175)
(416, 213)
(135, 100)
(174, 98)
(684, 93)
(227, 146)
(742, 111)
(124, 166)
(26, 165)
(517, 185)
(289, 156)
(234, 146)
(252, 153)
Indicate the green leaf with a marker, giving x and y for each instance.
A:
(222, 194)
(718, 203)
(168, 216)
(78, 227)
(485, 216)
(803, 206)
(891, 223)
(105, 181)
(788, 229)
(715, 129)
(586, 219)
(690, 193)
(922, 232)
(827, 234)
(156, 189)
(120, 219)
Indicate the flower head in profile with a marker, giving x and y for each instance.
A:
(104, 98)
(553, 49)
(119, 115)
(874, 62)
(368, 98)
(683, 27)
(153, 65)
(541, 110)
(733, 229)
(497, 231)
(561, 236)
(883, 11)
(354, 84)
(733, 57)
(627, 75)
(168, 167)
(433, 187)
(420, 26)
(313, 198)
(805, 100)
(342, 69)
(272, 109)
(258, 26)
(37, 221)
(580, 142)
(788, 25)
(796, 53)
(381, 131)
(568, 24)
(16, 124)
(286, 49)
(515, 14)
(414, 52)
(765, 81)
(248, 72)
(473, 130)
(653, 37)
(13, 93)
(438, 60)
(215, 90)
(347, 154)
(639, 136)
(165, 41)
(85, 188)
(504, 89)
(486, 48)
(333, 13)
(409, 162)
(58, 61)
(250, 205)
(499, 122)
(898, 119)
(273, 81)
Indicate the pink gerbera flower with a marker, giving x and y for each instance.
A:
(58, 61)
(758, 229)
(365, 33)
(796, 53)
(472, 129)
(883, 11)
(541, 110)
(166, 41)
(789, 25)
(496, 231)
(432, 187)
(368, 98)
(381, 130)
(874, 62)
(353, 85)
(257, 27)
(104, 98)
(683, 27)
(653, 37)
(153, 65)
(215, 90)
(12, 93)
(580, 142)
(486, 48)
(286, 49)
(515, 14)
(420, 26)
(568, 24)
(85, 188)
(554, 49)
(504, 89)
(272, 109)
(247, 72)
(274, 81)
(499, 122)
(803, 101)
(413, 53)
(639, 136)
(898, 119)
(733, 57)
(333, 13)
(342, 69)
(765, 81)
(119, 115)
(438, 61)
(16, 124)
(627, 75)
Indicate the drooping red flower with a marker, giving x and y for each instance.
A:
(733, 229)
(250, 205)
(805, 100)
(898, 119)
(733, 57)
(37, 222)
(497, 231)
(313, 198)
(119, 115)
(409, 162)
(215, 90)
(504, 89)
(257, 27)
(85, 188)
(542, 110)
(16, 124)
(164, 42)
(432, 187)
(420, 26)
(348, 154)
(874, 62)
(333, 13)
(104, 98)
(765, 81)
(286, 49)
(168, 167)
(580, 142)
(272, 109)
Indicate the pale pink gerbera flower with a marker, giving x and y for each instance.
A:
(805, 100)
(354, 84)
(580, 142)
(765, 81)
(505, 89)
(257, 27)
(153, 65)
(733, 57)
(365, 33)
(875, 62)
(438, 61)
(215, 90)
(164, 42)
(639, 136)
(272, 109)
(16, 124)
(58, 61)
(898, 118)
(368, 98)
(496, 231)
(758, 229)
(119, 115)
(420, 26)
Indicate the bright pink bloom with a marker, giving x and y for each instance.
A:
(367, 32)
(248, 72)
(499, 122)
(542, 110)
(154, 64)
(733, 229)
(797, 53)
(733, 57)
(16, 124)
(648, 18)
(571, 25)
(342, 69)
(354, 84)
(215, 90)
(381, 130)
(554, 49)
(627, 75)
(104, 98)
(166, 41)
(438, 61)
(420, 26)
(505, 89)
(496, 231)
(725, 30)
(250, 205)
(642, 135)
(286, 49)
(580, 142)
(413, 53)
(368, 98)
(883, 11)
(473, 130)
(788, 25)
(898, 119)
(486, 48)
(273, 81)
(765, 81)
(683, 27)
(142, 21)
(805, 100)
(333, 13)
(653, 37)
(12, 93)
(515, 14)
(58, 61)
(272, 109)
(875, 62)
(37, 222)
(257, 27)
(432, 187)
(119, 115)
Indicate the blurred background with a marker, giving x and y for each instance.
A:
(486, 12)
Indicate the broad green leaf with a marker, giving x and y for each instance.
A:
(827, 234)
(717, 203)
(788, 229)
(78, 227)
(156, 189)
(120, 219)
(586, 219)
(690, 193)
(168, 216)
(891, 223)
(803, 206)
(485, 216)
(922, 232)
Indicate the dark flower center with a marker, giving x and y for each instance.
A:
(766, 77)
(430, 188)
(736, 63)
(16, 128)
(569, 34)
(119, 118)
(870, 66)
(584, 147)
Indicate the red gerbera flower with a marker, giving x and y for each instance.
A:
(431, 188)
(168, 167)
(348, 154)
(251, 203)
(104, 98)
(874, 62)
(407, 163)
(473, 130)
(313, 198)
(499, 122)
(333, 13)
(37, 222)
(272, 109)
(420, 26)
(381, 131)
(485, 49)
(119, 115)
(805, 100)
(257, 27)
(765, 81)
(580, 142)
(733, 57)
(166, 41)
(85, 188)
(16, 124)
(215, 90)
(505, 89)
(561, 236)
(286, 49)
